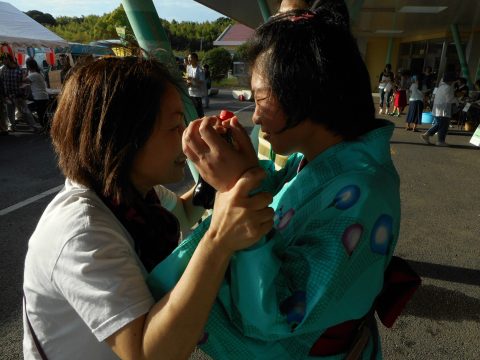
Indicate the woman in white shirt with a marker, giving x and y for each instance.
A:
(39, 91)
(415, 107)
(84, 281)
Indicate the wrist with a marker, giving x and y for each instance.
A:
(215, 244)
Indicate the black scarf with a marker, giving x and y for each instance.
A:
(154, 229)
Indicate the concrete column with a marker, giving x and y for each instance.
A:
(264, 9)
(461, 53)
(388, 59)
(151, 37)
(443, 62)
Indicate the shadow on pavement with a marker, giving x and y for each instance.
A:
(446, 273)
(438, 303)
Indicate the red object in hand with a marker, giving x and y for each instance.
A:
(225, 115)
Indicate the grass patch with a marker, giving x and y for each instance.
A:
(232, 82)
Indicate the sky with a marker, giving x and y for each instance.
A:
(180, 10)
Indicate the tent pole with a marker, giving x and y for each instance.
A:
(151, 37)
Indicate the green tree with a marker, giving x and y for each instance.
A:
(241, 53)
(42, 18)
(220, 61)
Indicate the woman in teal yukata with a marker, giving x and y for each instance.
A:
(307, 289)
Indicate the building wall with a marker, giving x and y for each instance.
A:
(375, 56)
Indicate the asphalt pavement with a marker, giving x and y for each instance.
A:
(440, 235)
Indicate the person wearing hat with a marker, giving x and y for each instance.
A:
(441, 111)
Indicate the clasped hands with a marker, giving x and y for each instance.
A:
(220, 163)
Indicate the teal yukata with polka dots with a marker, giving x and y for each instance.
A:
(336, 226)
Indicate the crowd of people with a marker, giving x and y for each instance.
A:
(23, 93)
(445, 101)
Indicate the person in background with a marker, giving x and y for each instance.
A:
(208, 80)
(84, 279)
(441, 110)
(196, 83)
(4, 123)
(16, 86)
(385, 85)
(400, 93)
(461, 88)
(38, 87)
(65, 66)
(415, 107)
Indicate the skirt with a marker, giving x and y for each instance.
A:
(400, 100)
(415, 110)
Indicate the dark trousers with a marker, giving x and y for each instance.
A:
(197, 102)
(41, 108)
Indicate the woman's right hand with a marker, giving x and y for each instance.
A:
(240, 220)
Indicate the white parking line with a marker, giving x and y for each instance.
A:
(29, 200)
(56, 189)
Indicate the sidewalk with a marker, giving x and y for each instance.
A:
(440, 238)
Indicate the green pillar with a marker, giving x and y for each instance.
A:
(354, 10)
(151, 36)
(264, 9)
(461, 53)
(388, 59)
(256, 128)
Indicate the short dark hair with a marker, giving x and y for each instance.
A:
(106, 112)
(194, 55)
(32, 65)
(315, 70)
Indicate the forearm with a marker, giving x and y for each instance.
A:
(175, 324)
(187, 213)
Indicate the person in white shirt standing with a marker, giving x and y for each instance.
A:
(197, 86)
(441, 111)
(415, 106)
(39, 91)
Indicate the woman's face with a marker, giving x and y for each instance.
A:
(161, 160)
(272, 119)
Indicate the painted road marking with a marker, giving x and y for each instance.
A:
(29, 200)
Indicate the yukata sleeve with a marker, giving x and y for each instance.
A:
(330, 271)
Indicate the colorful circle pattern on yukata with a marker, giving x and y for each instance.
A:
(346, 197)
(382, 234)
(351, 237)
(294, 308)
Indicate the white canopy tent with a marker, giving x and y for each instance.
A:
(19, 30)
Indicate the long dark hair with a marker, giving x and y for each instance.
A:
(314, 68)
(106, 112)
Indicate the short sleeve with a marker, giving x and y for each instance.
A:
(168, 198)
(98, 274)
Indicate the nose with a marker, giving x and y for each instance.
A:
(256, 116)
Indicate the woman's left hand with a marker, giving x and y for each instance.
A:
(219, 163)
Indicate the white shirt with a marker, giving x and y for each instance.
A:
(38, 86)
(415, 94)
(198, 87)
(444, 98)
(83, 280)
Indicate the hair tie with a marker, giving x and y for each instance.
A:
(307, 15)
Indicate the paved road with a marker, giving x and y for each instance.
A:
(439, 236)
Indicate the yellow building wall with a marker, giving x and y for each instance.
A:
(375, 58)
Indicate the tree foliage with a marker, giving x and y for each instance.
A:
(220, 61)
(42, 18)
(184, 36)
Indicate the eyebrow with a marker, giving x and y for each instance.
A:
(254, 91)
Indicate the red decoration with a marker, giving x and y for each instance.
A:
(7, 49)
(50, 57)
(20, 58)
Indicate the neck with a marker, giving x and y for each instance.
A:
(318, 139)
